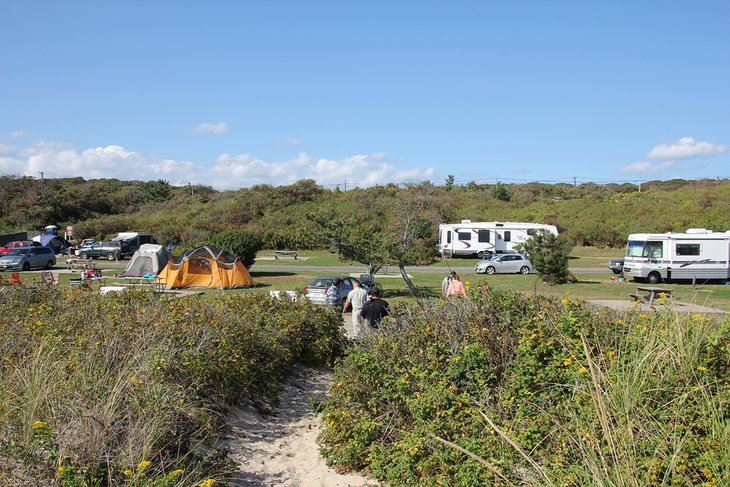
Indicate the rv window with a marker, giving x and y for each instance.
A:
(448, 236)
(507, 236)
(688, 249)
(464, 235)
(635, 248)
(653, 250)
(483, 236)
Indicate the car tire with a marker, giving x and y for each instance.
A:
(49, 265)
(615, 271)
(491, 270)
(84, 255)
(111, 256)
(524, 270)
(654, 278)
(26, 266)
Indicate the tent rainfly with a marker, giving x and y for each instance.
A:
(149, 260)
(205, 266)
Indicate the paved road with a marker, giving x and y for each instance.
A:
(347, 269)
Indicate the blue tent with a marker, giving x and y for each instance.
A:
(54, 242)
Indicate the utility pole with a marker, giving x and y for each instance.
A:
(41, 173)
(574, 182)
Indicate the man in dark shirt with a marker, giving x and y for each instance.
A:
(375, 310)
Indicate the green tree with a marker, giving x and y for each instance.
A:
(499, 192)
(240, 243)
(157, 191)
(549, 255)
(409, 237)
(449, 183)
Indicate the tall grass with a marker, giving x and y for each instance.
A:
(130, 389)
(506, 389)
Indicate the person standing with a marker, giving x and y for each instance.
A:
(357, 299)
(332, 297)
(445, 283)
(376, 309)
(456, 288)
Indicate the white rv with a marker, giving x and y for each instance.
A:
(485, 238)
(696, 254)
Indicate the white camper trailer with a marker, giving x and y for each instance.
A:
(696, 254)
(485, 238)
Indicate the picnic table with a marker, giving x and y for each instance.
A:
(285, 253)
(76, 263)
(650, 294)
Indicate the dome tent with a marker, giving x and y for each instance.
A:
(207, 267)
(150, 259)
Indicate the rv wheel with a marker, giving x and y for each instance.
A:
(654, 278)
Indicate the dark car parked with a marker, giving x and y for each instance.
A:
(111, 250)
(616, 265)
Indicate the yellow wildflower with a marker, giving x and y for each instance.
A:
(143, 465)
(41, 427)
(619, 322)
(175, 473)
(567, 361)
(127, 473)
(702, 369)
(565, 301)
(207, 483)
(59, 472)
(582, 370)
(643, 316)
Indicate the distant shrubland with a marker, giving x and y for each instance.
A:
(284, 217)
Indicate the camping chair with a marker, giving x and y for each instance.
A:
(48, 277)
(15, 278)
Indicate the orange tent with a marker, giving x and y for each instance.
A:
(205, 266)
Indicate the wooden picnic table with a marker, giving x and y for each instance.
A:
(649, 294)
(285, 253)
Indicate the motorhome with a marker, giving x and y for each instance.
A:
(485, 238)
(131, 241)
(696, 254)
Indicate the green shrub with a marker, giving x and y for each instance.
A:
(510, 389)
(240, 243)
(127, 388)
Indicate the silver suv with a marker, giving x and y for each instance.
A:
(27, 258)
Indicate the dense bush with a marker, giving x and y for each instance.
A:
(240, 243)
(127, 388)
(506, 389)
(589, 214)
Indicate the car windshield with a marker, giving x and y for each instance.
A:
(18, 252)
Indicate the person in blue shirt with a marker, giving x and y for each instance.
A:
(332, 297)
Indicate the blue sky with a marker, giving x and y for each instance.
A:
(231, 94)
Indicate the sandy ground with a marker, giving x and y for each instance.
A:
(280, 449)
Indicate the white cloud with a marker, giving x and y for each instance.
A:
(18, 134)
(685, 148)
(211, 128)
(647, 167)
(227, 172)
(288, 142)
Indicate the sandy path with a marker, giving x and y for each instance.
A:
(281, 449)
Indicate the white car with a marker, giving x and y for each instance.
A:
(504, 264)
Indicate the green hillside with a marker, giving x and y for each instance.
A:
(286, 216)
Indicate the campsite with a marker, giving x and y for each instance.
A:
(163, 343)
